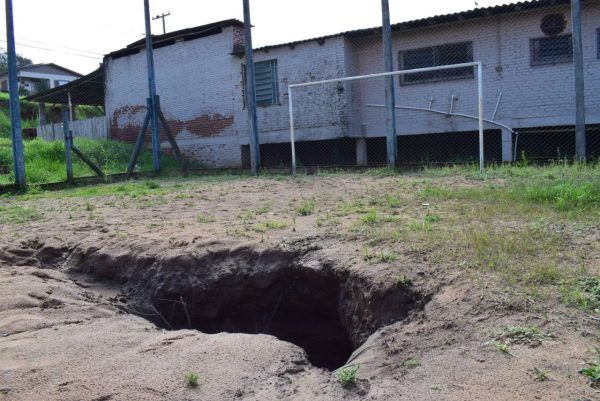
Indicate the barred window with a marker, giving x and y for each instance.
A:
(265, 81)
(552, 50)
(455, 53)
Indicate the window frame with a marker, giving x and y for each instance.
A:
(275, 98)
(437, 75)
(564, 60)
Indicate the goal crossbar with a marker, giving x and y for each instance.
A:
(477, 64)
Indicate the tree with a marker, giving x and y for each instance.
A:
(22, 61)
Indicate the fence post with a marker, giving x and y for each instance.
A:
(390, 101)
(68, 143)
(152, 91)
(580, 134)
(15, 107)
(251, 92)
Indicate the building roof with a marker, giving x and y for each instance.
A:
(170, 38)
(49, 65)
(461, 16)
(87, 90)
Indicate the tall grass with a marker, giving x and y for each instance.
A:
(45, 161)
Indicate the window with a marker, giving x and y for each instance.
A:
(454, 53)
(265, 81)
(552, 50)
(598, 42)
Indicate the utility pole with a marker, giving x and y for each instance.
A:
(15, 108)
(390, 100)
(580, 135)
(251, 93)
(152, 91)
(162, 16)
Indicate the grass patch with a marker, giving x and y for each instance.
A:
(531, 336)
(306, 208)
(267, 225)
(205, 218)
(14, 214)
(412, 363)
(45, 161)
(592, 371)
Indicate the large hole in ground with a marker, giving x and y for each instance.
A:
(298, 306)
(292, 295)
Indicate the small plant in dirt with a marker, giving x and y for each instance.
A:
(151, 184)
(370, 217)
(205, 218)
(412, 363)
(540, 375)
(403, 281)
(306, 208)
(502, 347)
(592, 371)
(383, 256)
(432, 218)
(267, 225)
(191, 379)
(436, 387)
(347, 375)
(531, 336)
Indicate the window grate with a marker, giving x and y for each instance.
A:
(454, 53)
(552, 50)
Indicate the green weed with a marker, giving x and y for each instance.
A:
(191, 379)
(592, 371)
(306, 208)
(347, 375)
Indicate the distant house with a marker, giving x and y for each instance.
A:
(35, 78)
(528, 84)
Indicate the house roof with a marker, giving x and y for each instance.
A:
(49, 65)
(87, 90)
(170, 38)
(462, 16)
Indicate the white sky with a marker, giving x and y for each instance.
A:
(95, 27)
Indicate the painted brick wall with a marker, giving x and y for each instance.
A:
(531, 95)
(195, 80)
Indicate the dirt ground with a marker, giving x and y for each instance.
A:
(117, 295)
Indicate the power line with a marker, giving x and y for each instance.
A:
(56, 51)
(59, 46)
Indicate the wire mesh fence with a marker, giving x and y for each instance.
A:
(528, 95)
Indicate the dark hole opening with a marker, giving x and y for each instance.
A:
(300, 307)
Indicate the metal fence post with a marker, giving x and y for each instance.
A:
(15, 107)
(580, 134)
(68, 135)
(152, 91)
(390, 101)
(251, 92)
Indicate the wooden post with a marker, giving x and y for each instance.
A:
(68, 143)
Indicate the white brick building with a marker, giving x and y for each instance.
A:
(525, 49)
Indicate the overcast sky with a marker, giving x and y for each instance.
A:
(76, 33)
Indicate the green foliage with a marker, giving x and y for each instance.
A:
(267, 225)
(191, 379)
(347, 375)
(370, 217)
(584, 293)
(412, 363)
(592, 370)
(306, 208)
(45, 161)
(521, 335)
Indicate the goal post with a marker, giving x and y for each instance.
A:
(477, 65)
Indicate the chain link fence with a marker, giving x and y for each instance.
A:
(203, 104)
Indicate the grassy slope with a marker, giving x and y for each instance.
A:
(45, 161)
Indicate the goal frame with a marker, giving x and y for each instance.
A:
(480, 118)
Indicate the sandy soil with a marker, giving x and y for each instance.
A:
(78, 287)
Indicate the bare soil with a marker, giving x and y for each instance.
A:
(117, 297)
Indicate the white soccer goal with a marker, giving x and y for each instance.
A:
(479, 117)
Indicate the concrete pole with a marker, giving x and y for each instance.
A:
(152, 91)
(15, 107)
(68, 137)
(580, 135)
(390, 101)
(251, 93)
